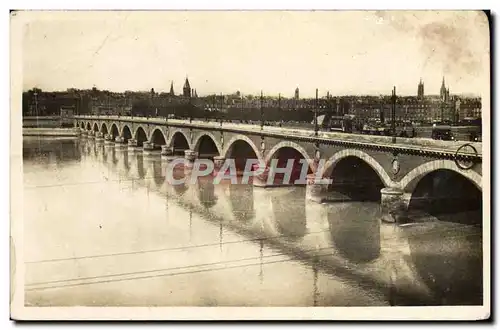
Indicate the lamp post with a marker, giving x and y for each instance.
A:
(316, 114)
(279, 110)
(261, 112)
(36, 103)
(221, 106)
(393, 115)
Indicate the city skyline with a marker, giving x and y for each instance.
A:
(270, 51)
(243, 94)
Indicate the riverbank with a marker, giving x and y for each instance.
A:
(29, 131)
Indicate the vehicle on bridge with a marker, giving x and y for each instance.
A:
(475, 135)
(341, 123)
(442, 132)
(405, 130)
(473, 128)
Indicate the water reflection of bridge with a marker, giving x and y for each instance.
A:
(344, 239)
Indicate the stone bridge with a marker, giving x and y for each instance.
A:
(399, 173)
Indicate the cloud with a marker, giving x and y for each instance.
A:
(453, 40)
(448, 42)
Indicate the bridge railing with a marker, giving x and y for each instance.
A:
(403, 143)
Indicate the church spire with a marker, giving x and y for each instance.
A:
(187, 88)
(444, 92)
(172, 88)
(420, 92)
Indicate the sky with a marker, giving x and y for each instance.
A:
(342, 52)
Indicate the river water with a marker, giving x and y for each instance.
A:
(104, 228)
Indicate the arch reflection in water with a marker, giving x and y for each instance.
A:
(242, 202)
(126, 164)
(114, 159)
(104, 152)
(122, 165)
(83, 147)
(141, 171)
(158, 175)
(289, 212)
(179, 174)
(206, 191)
(355, 230)
(448, 258)
(89, 148)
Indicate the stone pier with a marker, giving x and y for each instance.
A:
(91, 134)
(316, 189)
(132, 144)
(393, 205)
(99, 137)
(190, 156)
(167, 153)
(108, 140)
(218, 163)
(120, 143)
(260, 180)
(148, 148)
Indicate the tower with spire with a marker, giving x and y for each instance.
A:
(297, 93)
(444, 92)
(420, 93)
(186, 90)
(172, 89)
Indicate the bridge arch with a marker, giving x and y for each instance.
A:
(288, 144)
(337, 157)
(284, 152)
(126, 133)
(410, 180)
(241, 149)
(440, 189)
(96, 128)
(242, 138)
(179, 142)
(104, 129)
(140, 135)
(207, 143)
(176, 132)
(158, 138)
(88, 126)
(82, 125)
(114, 130)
